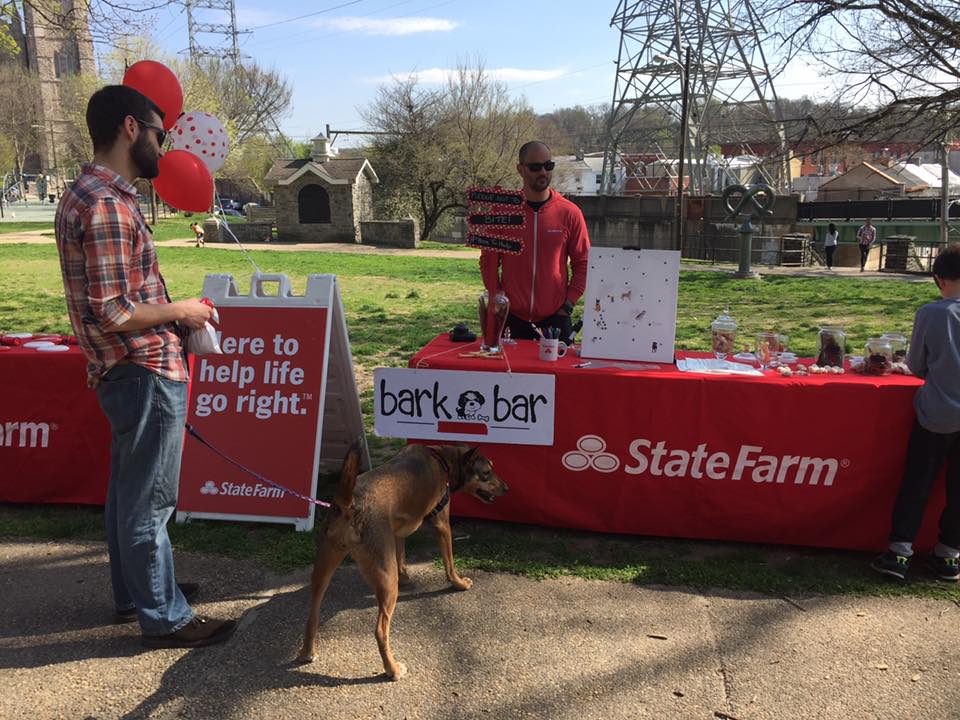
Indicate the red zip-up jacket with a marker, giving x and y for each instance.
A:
(536, 281)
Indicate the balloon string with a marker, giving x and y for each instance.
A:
(222, 222)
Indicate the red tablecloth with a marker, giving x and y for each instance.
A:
(820, 457)
(55, 441)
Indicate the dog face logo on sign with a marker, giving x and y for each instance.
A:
(469, 406)
(495, 220)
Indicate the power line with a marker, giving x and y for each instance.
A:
(301, 17)
(285, 42)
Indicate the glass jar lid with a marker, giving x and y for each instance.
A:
(723, 321)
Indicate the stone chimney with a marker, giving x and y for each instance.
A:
(321, 149)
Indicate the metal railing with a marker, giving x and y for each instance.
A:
(908, 255)
(769, 250)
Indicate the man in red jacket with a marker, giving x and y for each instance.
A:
(549, 276)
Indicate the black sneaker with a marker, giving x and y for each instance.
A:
(189, 590)
(199, 632)
(892, 564)
(945, 568)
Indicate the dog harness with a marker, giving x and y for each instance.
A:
(446, 491)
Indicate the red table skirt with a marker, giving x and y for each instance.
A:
(808, 461)
(55, 441)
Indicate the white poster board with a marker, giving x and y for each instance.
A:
(630, 306)
(459, 405)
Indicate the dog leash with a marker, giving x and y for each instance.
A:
(258, 476)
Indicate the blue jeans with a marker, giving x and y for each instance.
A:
(146, 414)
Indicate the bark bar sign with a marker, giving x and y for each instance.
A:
(495, 220)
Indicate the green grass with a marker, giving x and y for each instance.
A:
(433, 245)
(166, 228)
(394, 305)
(14, 226)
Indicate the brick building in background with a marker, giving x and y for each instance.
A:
(54, 44)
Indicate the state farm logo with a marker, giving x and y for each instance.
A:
(654, 459)
(24, 434)
(590, 453)
(232, 489)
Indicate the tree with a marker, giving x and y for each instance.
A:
(438, 143)
(898, 62)
(18, 111)
(103, 20)
(575, 129)
(247, 98)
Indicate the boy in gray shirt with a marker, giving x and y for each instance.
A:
(935, 439)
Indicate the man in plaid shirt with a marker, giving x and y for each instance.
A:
(130, 333)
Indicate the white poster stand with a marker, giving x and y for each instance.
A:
(281, 401)
(630, 305)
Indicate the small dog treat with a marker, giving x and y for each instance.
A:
(877, 364)
(722, 341)
(831, 353)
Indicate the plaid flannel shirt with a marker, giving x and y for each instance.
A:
(108, 262)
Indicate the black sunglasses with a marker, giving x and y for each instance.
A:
(549, 165)
(161, 133)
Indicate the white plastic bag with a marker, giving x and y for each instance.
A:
(203, 341)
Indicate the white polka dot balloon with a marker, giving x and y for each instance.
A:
(203, 135)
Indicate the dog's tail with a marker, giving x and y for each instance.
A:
(348, 476)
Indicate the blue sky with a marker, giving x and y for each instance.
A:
(556, 54)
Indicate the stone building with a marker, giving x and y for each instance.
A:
(323, 199)
(54, 44)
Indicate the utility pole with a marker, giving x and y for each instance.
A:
(944, 190)
(730, 68)
(332, 135)
(227, 27)
(685, 90)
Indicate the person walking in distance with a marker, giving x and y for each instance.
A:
(130, 332)
(830, 244)
(549, 276)
(865, 237)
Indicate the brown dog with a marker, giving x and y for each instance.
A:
(373, 513)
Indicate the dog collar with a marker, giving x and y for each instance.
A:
(440, 505)
(446, 492)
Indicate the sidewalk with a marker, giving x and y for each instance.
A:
(509, 648)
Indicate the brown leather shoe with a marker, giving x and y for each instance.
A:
(200, 631)
(189, 590)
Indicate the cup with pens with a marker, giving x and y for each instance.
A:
(551, 346)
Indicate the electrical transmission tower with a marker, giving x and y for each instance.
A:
(729, 93)
(224, 12)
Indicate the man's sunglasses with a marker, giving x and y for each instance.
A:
(161, 133)
(549, 165)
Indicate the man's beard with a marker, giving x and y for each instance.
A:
(541, 183)
(144, 158)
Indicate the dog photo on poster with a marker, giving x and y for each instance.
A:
(630, 305)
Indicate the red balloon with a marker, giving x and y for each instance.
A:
(184, 182)
(157, 82)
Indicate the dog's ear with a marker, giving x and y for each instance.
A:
(348, 477)
(469, 456)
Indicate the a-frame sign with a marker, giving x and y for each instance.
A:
(281, 402)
